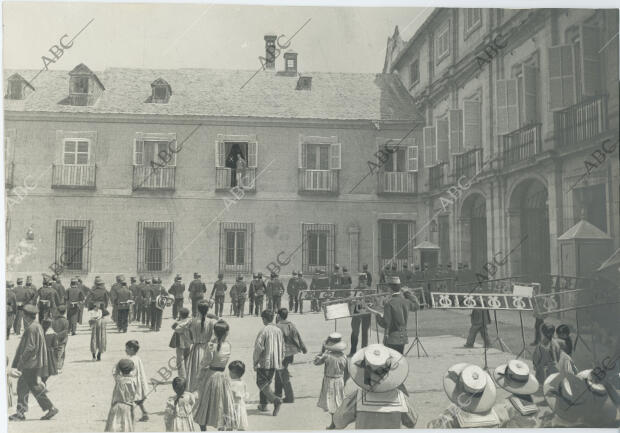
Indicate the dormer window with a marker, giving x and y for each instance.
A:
(304, 82)
(161, 91)
(17, 87)
(290, 63)
(84, 87)
(79, 84)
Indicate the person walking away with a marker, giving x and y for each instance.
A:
(236, 369)
(145, 295)
(182, 341)
(113, 299)
(259, 293)
(48, 299)
(251, 295)
(85, 291)
(60, 325)
(75, 298)
(11, 307)
(300, 287)
(479, 321)
(134, 289)
(197, 290)
(241, 292)
(359, 318)
(178, 415)
(201, 330)
(157, 290)
(334, 375)
(131, 350)
(123, 304)
(60, 289)
(51, 346)
(97, 319)
(98, 295)
(268, 357)
(30, 360)
(219, 293)
(290, 291)
(22, 297)
(121, 414)
(395, 316)
(178, 291)
(293, 344)
(276, 288)
(233, 298)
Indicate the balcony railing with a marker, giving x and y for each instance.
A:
(81, 99)
(9, 168)
(224, 179)
(521, 144)
(146, 177)
(74, 176)
(581, 121)
(318, 180)
(401, 182)
(437, 176)
(468, 163)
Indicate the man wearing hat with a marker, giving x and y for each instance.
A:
(75, 298)
(60, 289)
(380, 400)
(60, 325)
(31, 359)
(334, 279)
(113, 299)
(368, 275)
(275, 289)
(197, 290)
(359, 318)
(251, 295)
(219, 294)
(145, 294)
(237, 296)
(22, 297)
(258, 288)
(519, 409)
(479, 321)
(291, 290)
(135, 294)
(11, 307)
(472, 393)
(32, 288)
(156, 313)
(48, 299)
(123, 302)
(293, 344)
(98, 294)
(177, 290)
(406, 276)
(319, 282)
(395, 315)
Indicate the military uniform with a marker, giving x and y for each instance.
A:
(318, 283)
(394, 320)
(99, 296)
(135, 295)
(75, 299)
(238, 293)
(60, 289)
(113, 299)
(359, 320)
(11, 308)
(48, 302)
(275, 289)
(23, 295)
(123, 296)
(251, 296)
(219, 293)
(300, 286)
(345, 285)
(156, 314)
(292, 290)
(85, 291)
(177, 290)
(145, 304)
(197, 290)
(258, 287)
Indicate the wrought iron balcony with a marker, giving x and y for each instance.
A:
(398, 182)
(224, 179)
(521, 145)
(318, 181)
(580, 122)
(468, 163)
(74, 176)
(149, 178)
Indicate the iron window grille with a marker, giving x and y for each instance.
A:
(236, 248)
(73, 245)
(155, 246)
(396, 242)
(318, 247)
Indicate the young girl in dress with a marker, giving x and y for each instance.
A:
(179, 408)
(120, 417)
(547, 354)
(236, 369)
(97, 319)
(201, 330)
(215, 400)
(131, 349)
(51, 346)
(334, 374)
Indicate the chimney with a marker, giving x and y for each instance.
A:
(270, 51)
(290, 63)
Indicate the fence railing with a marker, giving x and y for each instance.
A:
(245, 180)
(467, 164)
(318, 180)
(145, 177)
(74, 176)
(581, 121)
(522, 144)
(398, 182)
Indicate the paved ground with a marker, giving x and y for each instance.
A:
(83, 391)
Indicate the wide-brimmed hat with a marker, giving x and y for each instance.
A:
(566, 395)
(470, 388)
(602, 411)
(378, 368)
(335, 343)
(515, 377)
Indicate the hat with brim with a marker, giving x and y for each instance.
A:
(30, 309)
(335, 343)
(602, 411)
(515, 377)
(566, 396)
(378, 368)
(470, 388)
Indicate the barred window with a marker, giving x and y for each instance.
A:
(318, 249)
(73, 241)
(395, 242)
(236, 248)
(155, 246)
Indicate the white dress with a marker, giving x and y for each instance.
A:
(240, 394)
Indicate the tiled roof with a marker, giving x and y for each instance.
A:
(208, 92)
(583, 230)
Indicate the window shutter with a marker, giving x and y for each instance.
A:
(334, 156)
(138, 149)
(220, 150)
(530, 100)
(430, 149)
(443, 139)
(472, 125)
(455, 119)
(302, 152)
(512, 104)
(412, 158)
(172, 145)
(252, 153)
(589, 60)
(502, 110)
(561, 76)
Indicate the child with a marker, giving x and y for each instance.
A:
(51, 345)
(566, 342)
(547, 354)
(215, 400)
(120, 417)
(60, 325)
(182, 341)
(179, 408)
(332, 389)
(240, 393)
(131, 349)
(98, 330)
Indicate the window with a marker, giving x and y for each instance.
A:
(15, 89)
(236, 247)
(155, 149)
(290, 64)
(590, 202)
(414, 72)
(79, 84)
(430, 146)
(318, 250)
(317, 156)
(160, 93)
(442, 42)
(76, 152)
(395, 244)
(473, 18)
(154, 246)
(472, 123)
(73, 242)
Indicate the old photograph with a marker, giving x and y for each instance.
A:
(283, 217)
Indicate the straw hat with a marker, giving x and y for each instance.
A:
(394, 280)
(378, 368)
(470, 388)
(602, 411)
(515, 377)
(565, 395)
(335, 344)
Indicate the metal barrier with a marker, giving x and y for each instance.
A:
(322, 295)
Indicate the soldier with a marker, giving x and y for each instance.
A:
(135, 293)
(300, 286)
(251, 294)
(406, 276)
(394, 320)
(384, 274)
(31, 287)
(275, 289)
(75, 298)
(156, 313)
(240, 291)
(123, 298)
(359, 319)
(60, 289)
(145, 294)
(177, 290)
(113, 299)
(219, 292)
(479, 321)
(259, 293)
(98, 296)
(334, 280)
(234, 295)
(23, 296)
(345, 283)
(85, 291)
(48, 300)
(11, 307)
(197, 290)
(289, 290)
(368, 275)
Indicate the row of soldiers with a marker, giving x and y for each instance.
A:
(419, 275)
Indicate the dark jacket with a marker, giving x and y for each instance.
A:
(257, 288)
(219, 289)
(177, 290)
(99, 295)
(274, 288)
(394, 320)
(197, 289)
(74, 294)
(293, 343)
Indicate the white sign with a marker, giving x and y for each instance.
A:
(526, 291)
(337, 311)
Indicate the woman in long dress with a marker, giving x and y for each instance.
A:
(201, 330)
(216, 406)
(120, 417)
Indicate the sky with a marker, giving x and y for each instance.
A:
(170, 36)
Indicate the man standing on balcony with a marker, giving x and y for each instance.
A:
(240, 166)
(197, 290)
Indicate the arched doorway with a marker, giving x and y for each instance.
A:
(474, 232)
(529, 230)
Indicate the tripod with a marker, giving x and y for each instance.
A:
(503, 346)
(416, 340)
